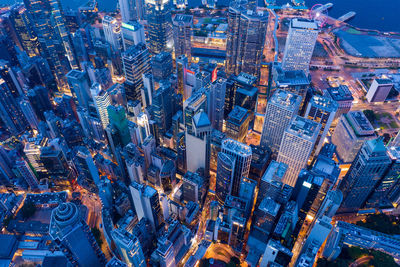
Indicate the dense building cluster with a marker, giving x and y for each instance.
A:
(163, 136)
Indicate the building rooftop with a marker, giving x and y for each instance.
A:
(183, 18)
(238, 114)
(359, 123)
(341, 93)
(201, 120)
(376, 145)
(268, 205)
(383, 81)
(394, 153)
(290, 77)
(275, 171)
(285, 100)
(131, 25)
(324, 103)
(236, 147)
(301, 23)
(246, 79)
(304, 128)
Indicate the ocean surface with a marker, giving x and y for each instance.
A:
(380, 15)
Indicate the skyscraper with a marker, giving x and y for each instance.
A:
(237, 124)
(364, 174)
(300, 43)
(182, 31)
(245, 39)
(296, 146)
(26, 172)
(281, 108)
(225, 171)
(53, 36)
(242, 154)
(128, 10)
(101, 100)
(216, 103)
(72, 235)
(147, 204)
(112, 33)
(10, 111)
(86, 165)
(132, 34)
(129, 248)
(321, 110)
(352, 130)
(198, 140)
(80, 87)
(159, 25)
(136, 62)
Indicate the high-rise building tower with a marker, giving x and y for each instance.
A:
(216, 103)
(352, 130)
(182, 31)
(237, 124)
(101, 100)
(364, 174)
(147, 204)
(86, 165)
(26, 172)
(225, 171)
(300, 43)
(129, 248)
(10, 111)
(72, 235)
(296, 146)
(132, 34)
(48, 22)
(80, 87)
(322, 110)
(245, 39)
(112, 33)
(159, 25)
(127, 9)
(242, 154)
(136, 61)
(281, 108)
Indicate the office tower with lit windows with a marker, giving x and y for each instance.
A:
(147, 204)
(387, 193)
(132, 34)
(281, 108)
(136, 62)
(242, 154)
(74, 237)
(26, 173)
(11, 78)
(216, 103)
(159, 26)
(322, 110)
(112, 33)
(300, 44)
(163, 108)
(245, 39)
(162, 66)
(80, 87)
(101, 100)
(48, 22)
(21, 30)
(10, 111)
(182, 32)
(225, 172)
(296, 146)
(237, 124)
(364, 174)
(129, 248)
(352, 130)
